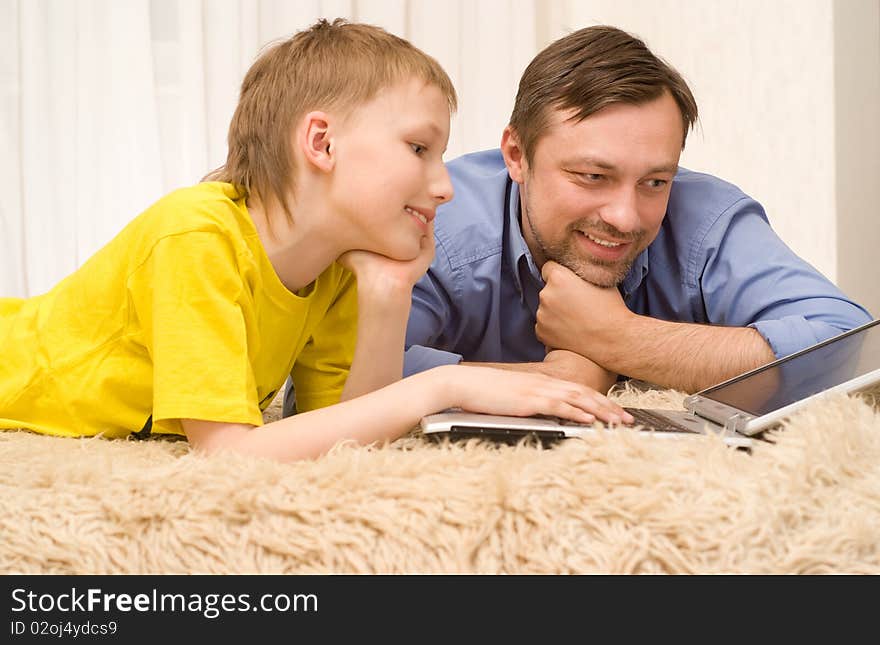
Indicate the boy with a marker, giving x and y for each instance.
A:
(189, 321)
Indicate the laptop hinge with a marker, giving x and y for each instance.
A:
(736, 423)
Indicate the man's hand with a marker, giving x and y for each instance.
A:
(578, 316)
(380, 275)
(566, 365)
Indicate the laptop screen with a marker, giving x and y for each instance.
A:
(796, 377)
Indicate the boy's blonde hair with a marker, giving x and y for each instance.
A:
(338, 66)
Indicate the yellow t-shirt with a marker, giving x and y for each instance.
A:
(181, 316)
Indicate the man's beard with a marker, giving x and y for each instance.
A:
(602, 273)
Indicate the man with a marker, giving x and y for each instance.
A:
(581, 250)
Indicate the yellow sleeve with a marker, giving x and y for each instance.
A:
(192, 306)
(322, 367)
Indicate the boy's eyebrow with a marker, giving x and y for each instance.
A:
(435, 129)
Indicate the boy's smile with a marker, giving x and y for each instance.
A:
(421, 215)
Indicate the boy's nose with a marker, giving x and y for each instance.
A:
(441, 185)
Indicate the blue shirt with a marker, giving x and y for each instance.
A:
(715, 260)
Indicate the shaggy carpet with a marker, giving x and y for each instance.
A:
(617, 502)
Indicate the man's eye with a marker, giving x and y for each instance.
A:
(657, 183)
(592, 177)
(418, 149)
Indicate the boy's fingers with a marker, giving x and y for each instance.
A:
(602, 407)
(576, 413)
(617, 410)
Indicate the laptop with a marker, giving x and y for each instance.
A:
(739, 410)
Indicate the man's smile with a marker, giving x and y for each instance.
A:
(600, 248)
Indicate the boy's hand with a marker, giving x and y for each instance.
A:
(381, 275)
(513, 393)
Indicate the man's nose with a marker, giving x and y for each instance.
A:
(621, 211)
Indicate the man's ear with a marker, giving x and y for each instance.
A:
(315, 141)
(514, 157)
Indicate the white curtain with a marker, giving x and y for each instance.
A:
(106, 105)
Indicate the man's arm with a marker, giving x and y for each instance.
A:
(761, 300)
(683, 356)
(748, 277)
(595, 322)
(566, 365)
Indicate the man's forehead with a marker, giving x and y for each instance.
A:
(584, 141)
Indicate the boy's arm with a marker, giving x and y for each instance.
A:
(384, 296)
(322, 367)
(381, 327)
(393, 410)
(338, 364)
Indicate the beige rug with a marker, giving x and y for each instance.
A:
(615, 503)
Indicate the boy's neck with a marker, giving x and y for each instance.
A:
(298, 250)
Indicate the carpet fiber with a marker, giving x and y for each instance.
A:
(614, 503)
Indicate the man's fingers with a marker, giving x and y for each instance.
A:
(547, 269)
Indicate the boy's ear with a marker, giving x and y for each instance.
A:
(514, 157)
(316, 141)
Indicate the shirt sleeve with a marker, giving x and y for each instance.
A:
(190, 302)
(751, 278)
(321, 369)
(430, 317)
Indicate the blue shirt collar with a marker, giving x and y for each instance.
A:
(637, 273)
(521, 259)
(518, 255)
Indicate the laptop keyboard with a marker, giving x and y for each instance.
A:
(657, 423)
(642, 417)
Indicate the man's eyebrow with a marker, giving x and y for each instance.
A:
(670, 167)
(590, 161)
(606, 165)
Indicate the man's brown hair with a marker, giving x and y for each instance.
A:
(329, 66)
(588, 70)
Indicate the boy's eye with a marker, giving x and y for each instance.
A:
(418, 149)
